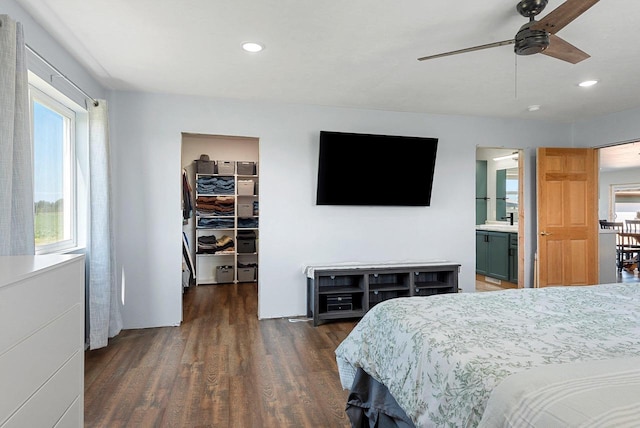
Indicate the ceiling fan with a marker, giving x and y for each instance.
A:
(539, 36)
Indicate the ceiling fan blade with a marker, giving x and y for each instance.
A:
(561, 49)
(475, 48)
(561, 16)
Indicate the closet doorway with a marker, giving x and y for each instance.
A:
(221, 207)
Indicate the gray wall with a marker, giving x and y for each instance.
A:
(600, 131)
(294, 231)
(620, 127)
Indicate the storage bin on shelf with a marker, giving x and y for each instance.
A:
(246, 187)
(225, 167)
(205, 166)
(246, 168)
(245, 210)
(246, 241)
(224, 274)
(246, 274)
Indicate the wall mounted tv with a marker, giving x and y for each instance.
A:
(365, 169)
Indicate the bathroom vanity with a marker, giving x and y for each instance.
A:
(497, 251)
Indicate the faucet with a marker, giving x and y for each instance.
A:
(509, 217)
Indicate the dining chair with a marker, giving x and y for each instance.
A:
(628, 250)
(614, 225)
(632, 226)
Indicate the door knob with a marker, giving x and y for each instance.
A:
(545, 233)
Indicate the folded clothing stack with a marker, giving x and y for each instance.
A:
(211, 244)
(215, 223)
(215, 206)
(248, 223)
(216, 185)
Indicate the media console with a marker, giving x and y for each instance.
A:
(342, 291)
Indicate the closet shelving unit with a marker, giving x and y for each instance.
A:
(237, 263)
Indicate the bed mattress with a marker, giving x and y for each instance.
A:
(442, 356)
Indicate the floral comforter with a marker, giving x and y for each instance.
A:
(441, 356)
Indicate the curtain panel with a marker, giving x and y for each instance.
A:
(16, 155)
(105, 319)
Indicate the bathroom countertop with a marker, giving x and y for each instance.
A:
(498, 227)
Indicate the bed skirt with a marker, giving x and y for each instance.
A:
(371, 405)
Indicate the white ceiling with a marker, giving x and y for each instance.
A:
(621, 156)
(357, 53)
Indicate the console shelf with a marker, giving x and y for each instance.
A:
(350, 290)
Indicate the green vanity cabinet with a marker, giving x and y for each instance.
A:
(482, 251)
(513, 258)
(492, 254)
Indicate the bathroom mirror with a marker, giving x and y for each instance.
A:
(507, 194)
(496, 184)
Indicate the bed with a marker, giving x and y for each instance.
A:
(557, 356)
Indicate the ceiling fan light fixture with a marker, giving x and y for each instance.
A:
(587, 83)
(529, 41)
(252, 47)
(534, 107)
(539, 36)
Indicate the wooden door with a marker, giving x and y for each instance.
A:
(567, 196)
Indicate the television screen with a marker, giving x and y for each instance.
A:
(365, 169)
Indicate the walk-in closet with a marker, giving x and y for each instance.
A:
(221, 209)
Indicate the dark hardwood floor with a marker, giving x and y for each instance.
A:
(221, 368)
(482, 284)
(629, 276)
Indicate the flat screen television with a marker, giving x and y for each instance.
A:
(366, 169)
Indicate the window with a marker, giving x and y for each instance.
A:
(512, 190)
(54, 129)
(626, 201)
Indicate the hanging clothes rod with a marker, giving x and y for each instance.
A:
(66, 79)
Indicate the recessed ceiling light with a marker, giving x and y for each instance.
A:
(587, 83)
(534, 107)
(252, 47)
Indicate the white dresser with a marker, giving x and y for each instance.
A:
(42, 341)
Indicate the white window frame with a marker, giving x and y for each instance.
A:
(613, 188)
(41, 92)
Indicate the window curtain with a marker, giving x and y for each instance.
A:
(105, 319)
(16, 158)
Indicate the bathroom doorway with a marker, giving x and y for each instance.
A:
(499, 219)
